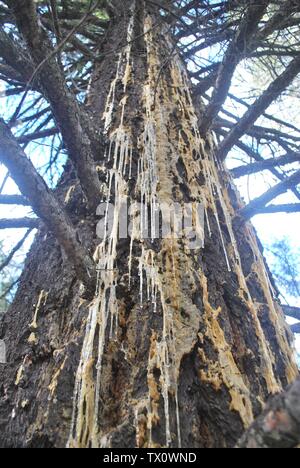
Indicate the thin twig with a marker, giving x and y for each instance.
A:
(10, 288)
(17, 247)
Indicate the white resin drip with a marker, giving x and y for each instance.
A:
(103, 312)
(157, 152)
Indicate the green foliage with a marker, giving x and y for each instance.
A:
(285, 265)
(8, 278)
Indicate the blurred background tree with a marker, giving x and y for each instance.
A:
(284, 261)
(9, 276)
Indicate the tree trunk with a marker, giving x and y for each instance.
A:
(181, 346)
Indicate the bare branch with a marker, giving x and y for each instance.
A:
(13, 200)
(254, 155)
(17, 247)
(256, 205)
(293, 312)
(67, 113)
(296, 328)
(3, 183)
(288, 208)
(235, 52)
(54, 13)
(266, 115)
(45, 205)
(265, 164)
(15, 57)
(19, 223)
(278, 20)
(37, 135)
(257, 157)
(10, 288)
(260, 106)
(10, 73)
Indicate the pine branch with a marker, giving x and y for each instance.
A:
(54, 14)
(266, 115)
(15, 58)
(13, 200)
(19, 223)
(24, 139)
(167, 9)
(259, 203)
(3, 183)
(203, 20)
(296, 328)
(293, 312)
(265, 164)
(286, 208)
(254, 155)
(10, 288)
(17, 247)
(46, 206)
(235, 52)
(69, 117)
(10, 73)
(257, 157)
(278, 20)
(259, 107)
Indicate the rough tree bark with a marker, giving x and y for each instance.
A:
(179, 347)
